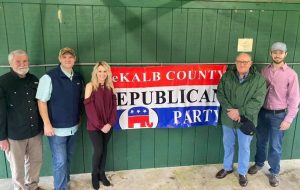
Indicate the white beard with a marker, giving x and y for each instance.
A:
(22, 71)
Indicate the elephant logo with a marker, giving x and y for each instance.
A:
(138, 117)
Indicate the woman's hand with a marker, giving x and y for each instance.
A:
(106, 128)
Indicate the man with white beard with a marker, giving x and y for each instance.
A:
(20, 122)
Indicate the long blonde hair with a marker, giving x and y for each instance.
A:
(108, 81)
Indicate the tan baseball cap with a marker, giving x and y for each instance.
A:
(66, 50)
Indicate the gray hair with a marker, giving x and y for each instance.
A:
(15, 53)
(244, 53)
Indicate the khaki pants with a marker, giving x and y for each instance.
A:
(25, 154)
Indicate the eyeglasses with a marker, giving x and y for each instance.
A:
(242, 62)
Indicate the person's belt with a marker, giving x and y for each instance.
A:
(274, 111)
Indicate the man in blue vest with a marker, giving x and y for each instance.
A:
(59, 97)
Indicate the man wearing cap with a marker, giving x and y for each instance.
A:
(241, 94)
(279, 110)
(20, 122)
(59, 97)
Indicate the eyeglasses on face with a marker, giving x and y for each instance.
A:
(242, 62)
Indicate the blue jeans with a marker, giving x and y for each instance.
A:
(244, 142)
(62, 149)
(268, 130)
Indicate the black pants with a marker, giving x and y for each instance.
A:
(99, 141)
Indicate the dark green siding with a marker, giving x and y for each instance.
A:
(165, 31)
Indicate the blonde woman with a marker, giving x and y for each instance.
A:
(100, 105)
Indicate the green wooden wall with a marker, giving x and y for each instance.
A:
(143, 31)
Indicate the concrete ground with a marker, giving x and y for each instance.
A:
(180, 178)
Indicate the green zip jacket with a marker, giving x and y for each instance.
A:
(248, 96)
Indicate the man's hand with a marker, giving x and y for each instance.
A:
(106, 128)
(284, 125)
(4, 145)
(234, 114)
(48, 130)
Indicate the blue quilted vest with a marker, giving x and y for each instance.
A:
(64, 106)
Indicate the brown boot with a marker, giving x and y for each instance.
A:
(273, 180)
(223, 173)
(243, 181)
(253, 169)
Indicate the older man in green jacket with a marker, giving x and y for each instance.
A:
(241, 93)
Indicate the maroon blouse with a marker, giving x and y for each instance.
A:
(100, 108)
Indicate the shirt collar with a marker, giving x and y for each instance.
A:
(15, 75)
(69, 75)
(283, 67)
(244, 77)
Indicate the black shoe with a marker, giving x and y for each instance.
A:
(104, 180)
(95, 181)
(253, 169)
(223, 173)
(273, 180)
(243, 181)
